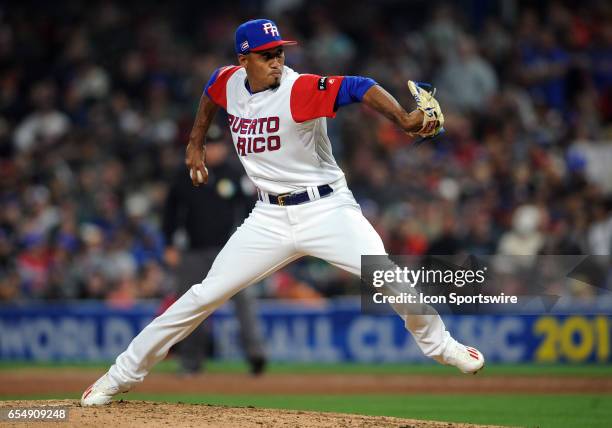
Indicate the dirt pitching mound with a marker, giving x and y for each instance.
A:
(150, 414)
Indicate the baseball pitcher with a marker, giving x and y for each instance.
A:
(277, 119)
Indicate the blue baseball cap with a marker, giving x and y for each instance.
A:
(258, 35)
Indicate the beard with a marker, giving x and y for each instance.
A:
(275, 84)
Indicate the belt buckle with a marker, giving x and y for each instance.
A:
(281, 199)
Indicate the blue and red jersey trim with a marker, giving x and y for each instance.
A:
(216, 88)
(314, 96)
(353, 89)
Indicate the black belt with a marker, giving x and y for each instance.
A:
(297, 198)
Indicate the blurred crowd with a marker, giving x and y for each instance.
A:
(97, 101)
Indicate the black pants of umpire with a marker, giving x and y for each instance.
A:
(194, 267)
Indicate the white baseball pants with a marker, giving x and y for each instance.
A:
(332, 228)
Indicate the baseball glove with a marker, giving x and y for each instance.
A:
(433, 119)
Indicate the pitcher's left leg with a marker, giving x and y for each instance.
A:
(341, 235)
(335, 230)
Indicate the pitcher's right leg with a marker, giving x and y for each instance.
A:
(262, 245)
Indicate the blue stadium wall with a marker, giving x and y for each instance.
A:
(334, 331)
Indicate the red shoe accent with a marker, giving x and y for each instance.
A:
(473, 354)
(87, 391)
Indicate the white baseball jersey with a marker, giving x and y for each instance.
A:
(280, 134)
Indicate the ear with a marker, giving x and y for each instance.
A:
(243, 60)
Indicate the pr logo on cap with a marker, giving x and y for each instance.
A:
(258, 35)
(270, 28)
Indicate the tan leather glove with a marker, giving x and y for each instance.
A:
(433, 119)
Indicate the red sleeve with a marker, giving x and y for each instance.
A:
(314, 96)
(216, 88)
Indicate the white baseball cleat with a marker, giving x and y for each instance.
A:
(101, 392)
(465, 358)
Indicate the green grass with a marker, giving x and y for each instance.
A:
(534, 410)
(594, 370)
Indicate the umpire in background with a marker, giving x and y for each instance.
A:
(209, 214)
